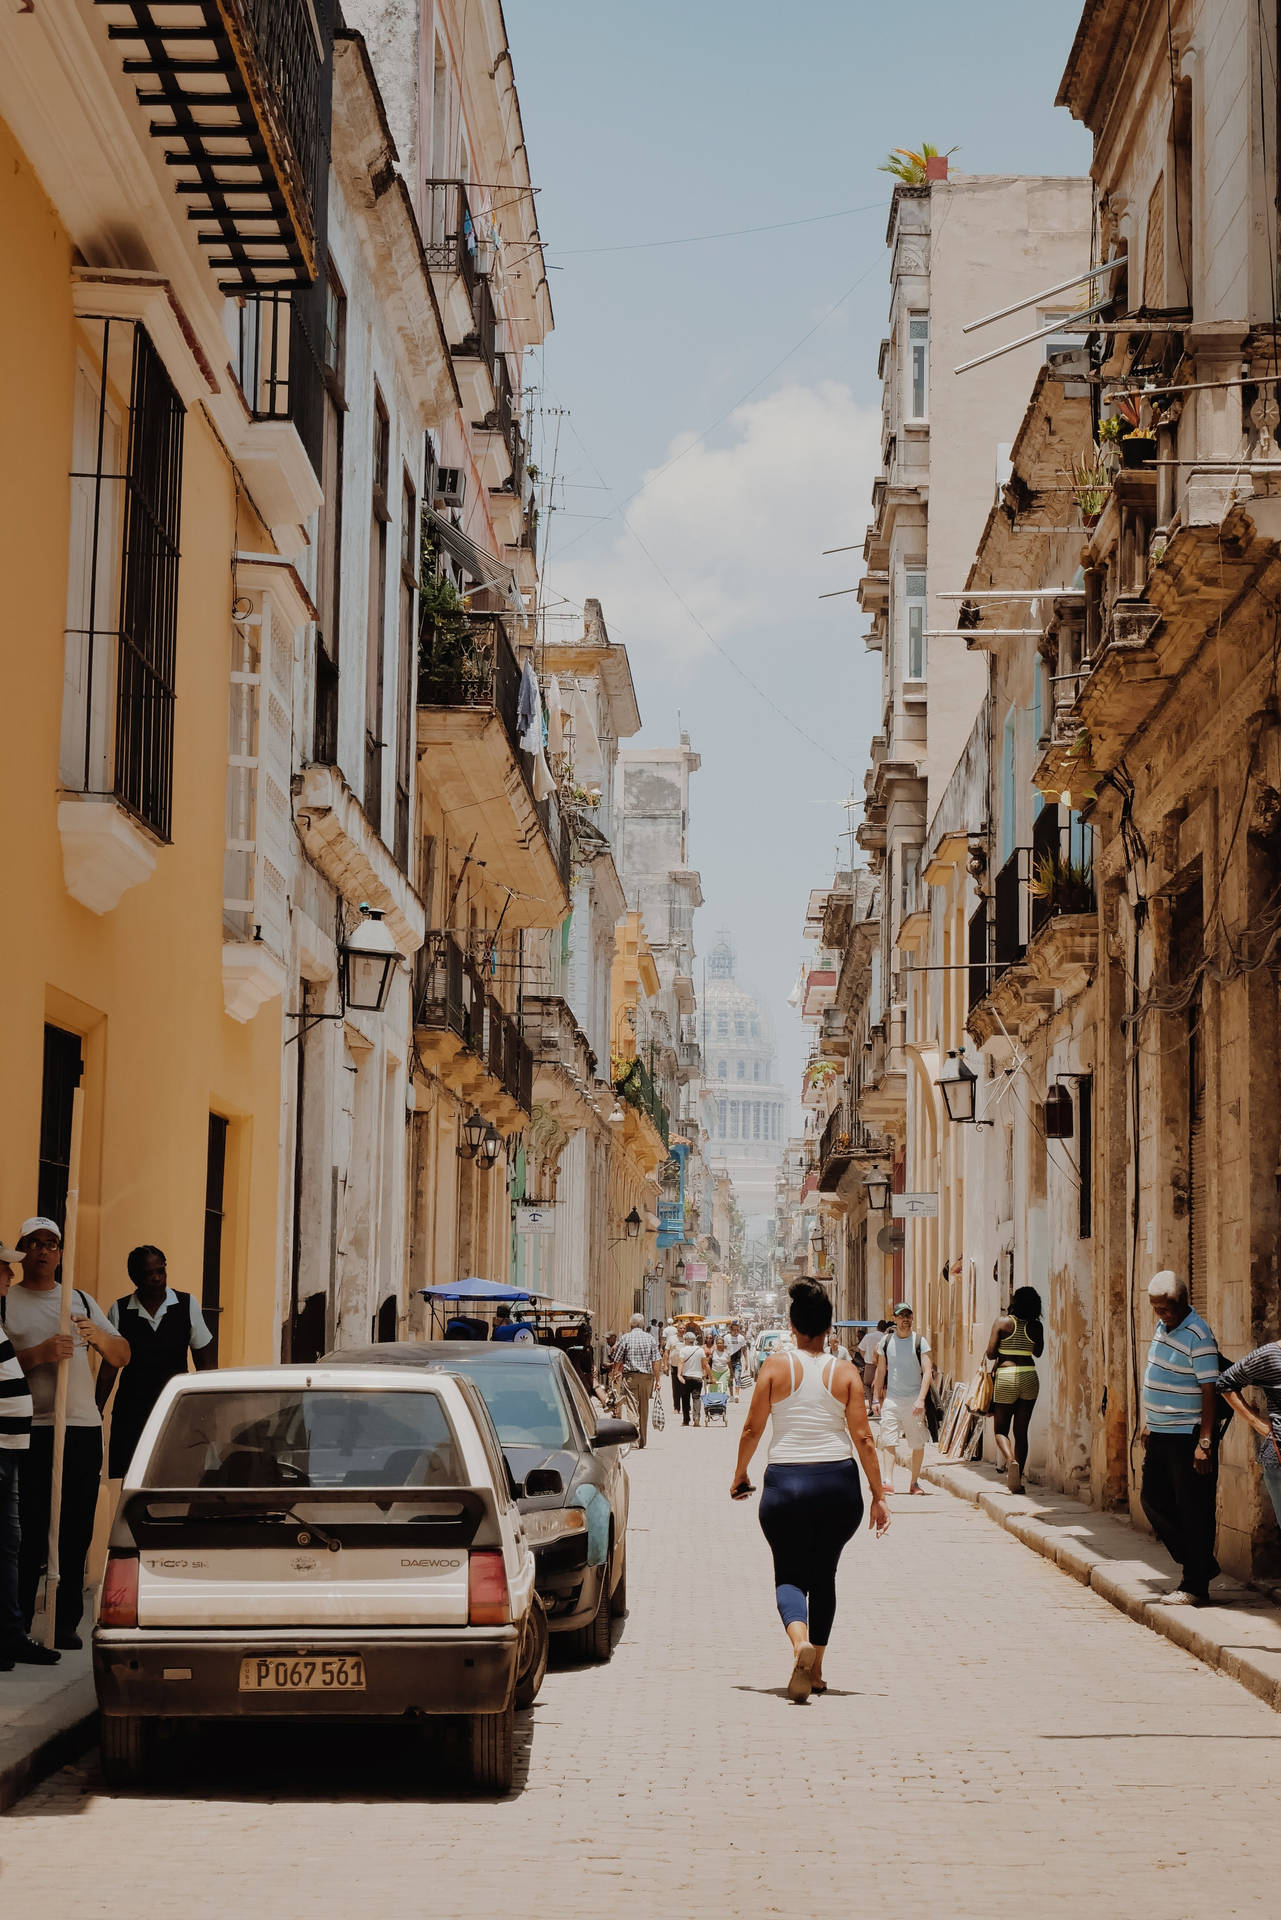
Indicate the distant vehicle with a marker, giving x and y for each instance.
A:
(318, 1542)
(548, 1425)
(767, 1343)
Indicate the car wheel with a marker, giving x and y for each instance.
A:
(534, 1669)
(490, 1739)
(594, 1641)
(618, 1604)
(125, 1745)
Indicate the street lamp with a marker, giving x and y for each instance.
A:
(369, 959)
(876, 1185)
(490, 1146)
(680, 1270)
(474, 1129)
(632, 1225)
(958, 1083)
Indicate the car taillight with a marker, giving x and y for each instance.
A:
(488, 1603)
(120, 1592)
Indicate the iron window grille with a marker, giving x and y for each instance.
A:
(123, 586)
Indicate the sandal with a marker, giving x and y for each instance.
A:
(818, 1686)
(801, 1685)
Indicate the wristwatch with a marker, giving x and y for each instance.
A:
(1201, 1442)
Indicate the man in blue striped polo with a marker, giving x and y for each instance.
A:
(1181, 1463)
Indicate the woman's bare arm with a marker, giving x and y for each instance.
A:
(847, 1386)
(756, 1421)
(1002, 1325)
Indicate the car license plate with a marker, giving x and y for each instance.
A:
(302, 1673)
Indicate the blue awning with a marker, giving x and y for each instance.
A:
(475, 1290)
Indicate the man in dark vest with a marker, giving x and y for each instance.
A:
(162, 1327)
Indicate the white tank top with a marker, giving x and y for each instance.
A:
(809, 1425)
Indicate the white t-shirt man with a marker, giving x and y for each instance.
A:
(690, 1355)
(33, 1315)
(868, 1344)
(903, 1371)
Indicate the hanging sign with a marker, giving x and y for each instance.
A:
(535, 1219)
(914, 1206)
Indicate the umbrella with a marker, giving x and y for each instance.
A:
(475, 1290)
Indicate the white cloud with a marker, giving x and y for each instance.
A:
(737, 527)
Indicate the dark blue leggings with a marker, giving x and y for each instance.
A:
(809, 1514)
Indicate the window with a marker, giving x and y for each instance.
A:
(909, 868)
(122, 581)
(756, 1069)
(329, 528)
(377, 618)
(215, 1183)
(720, 1119)
(406, 680)
(722, 1072)
(742, 1069)
(739, 1029)
(62, 1070)
(918, 366)
(258, 846)
(914, 605)
(722, 1026)
(1059, 342)
(733, 1119)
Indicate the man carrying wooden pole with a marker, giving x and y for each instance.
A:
(52, 1330)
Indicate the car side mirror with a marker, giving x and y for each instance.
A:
(615, 1433)
(540, 1481)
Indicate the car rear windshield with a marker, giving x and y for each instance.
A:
(524, 1402)
(292, 1437)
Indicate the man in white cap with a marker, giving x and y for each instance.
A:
(16, 1646)
(1181, 1458)
(32, 1316)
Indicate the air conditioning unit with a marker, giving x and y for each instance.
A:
(450, 486)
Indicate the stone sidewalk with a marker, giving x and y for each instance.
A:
(47, 1717)
(1240, 1634)
(998, 1741)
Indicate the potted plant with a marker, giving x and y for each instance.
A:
(1136, 442)
(908, 167)
(1091, 483)
(450, 668)
(1065, 886)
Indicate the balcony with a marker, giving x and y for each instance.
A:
(238, 92)
(635, 1084)
(845, 1142)
(497, 437)
(472, 1044)
(469, 742)
(833, 1033)
(689, 1060)
(278, 369)
(476, 360)
(452, 249)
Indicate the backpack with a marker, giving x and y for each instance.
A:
(933, 1406)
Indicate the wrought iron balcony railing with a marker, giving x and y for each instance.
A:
(239, 92)
(450, 243)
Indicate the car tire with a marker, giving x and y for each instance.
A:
(595, 1641)
(537, 1644)
(125, 1745)
(490, 1738)
(618, 1600)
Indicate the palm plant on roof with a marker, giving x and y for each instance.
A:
(908, 167)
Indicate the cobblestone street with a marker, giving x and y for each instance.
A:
(997, 1738)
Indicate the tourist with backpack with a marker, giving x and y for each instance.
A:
(904, 1370)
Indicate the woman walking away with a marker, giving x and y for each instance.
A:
(811, 1498)
(1016, 1343)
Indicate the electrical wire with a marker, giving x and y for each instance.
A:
(728, 233)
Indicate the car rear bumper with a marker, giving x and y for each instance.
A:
(413, 1670)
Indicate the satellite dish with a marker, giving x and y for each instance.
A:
(892, 1237)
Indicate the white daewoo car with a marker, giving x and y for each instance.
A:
(317, 1542)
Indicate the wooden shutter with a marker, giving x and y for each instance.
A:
(1198, 1205)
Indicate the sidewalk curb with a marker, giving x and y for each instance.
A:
(21, 1770)
(1214, 1634)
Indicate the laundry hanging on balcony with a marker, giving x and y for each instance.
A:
(529, 707)
(589, 763)
(555, 718)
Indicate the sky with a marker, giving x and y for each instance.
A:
(710, 409)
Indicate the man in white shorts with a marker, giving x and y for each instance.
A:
(904, 1370)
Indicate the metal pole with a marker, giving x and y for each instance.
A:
(64, 1366)
(1091, 273)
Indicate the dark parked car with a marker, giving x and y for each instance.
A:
(547, 1422)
